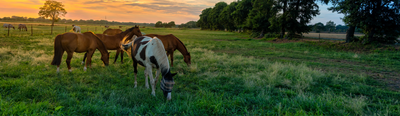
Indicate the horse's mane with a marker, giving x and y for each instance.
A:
(181, 43)
(161, 51)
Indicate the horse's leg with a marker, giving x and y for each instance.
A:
(116, 56)
(84, 58)
(58, 66)
(146, 74)
(135, 71)
(122, 55)
(69, 57)
(150, 74)
(89, 59)
(158, 71)
(171, 55)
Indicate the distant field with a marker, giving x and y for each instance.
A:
(329, 35)
(229, 75)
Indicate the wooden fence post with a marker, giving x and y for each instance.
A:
(31, 30)
(8, 31)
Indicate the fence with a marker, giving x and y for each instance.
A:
(42, 29)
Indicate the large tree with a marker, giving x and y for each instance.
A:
(226, 16)
(259, 15)
(214, 18)
(240, 14)
(330, 26)
(377, 18)
(53, 10)
(158, 24)
(203, 21)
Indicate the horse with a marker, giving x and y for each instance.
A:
(5, 25)
(76, 28)
(149, 52)
(112, 31)
(112, 42)
(78, 42)
(106, 26)
(22, 26)
(171, 43)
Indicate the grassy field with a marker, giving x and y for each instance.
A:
(230, 74)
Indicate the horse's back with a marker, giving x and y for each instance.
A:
(169, 40)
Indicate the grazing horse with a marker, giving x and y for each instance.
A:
(171, 43)
(149, 52)
(78, 42)
(112, 42)
(5, 25)
(76, 28)
(22, 26)
(106, 26)
(112, 31)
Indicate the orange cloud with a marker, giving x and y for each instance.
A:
(141, 11)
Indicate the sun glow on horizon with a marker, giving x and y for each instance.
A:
(140, 11)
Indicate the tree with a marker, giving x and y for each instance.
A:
(341, 28)
(330, 26)
(377, 18)
(318, 27)
(171, 24)
(203, 21)
(158, 24)
(259, 15)
(240, 14)
(214, 19)
(53, 10)
(226, 16)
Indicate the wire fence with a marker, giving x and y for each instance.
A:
(43, 29)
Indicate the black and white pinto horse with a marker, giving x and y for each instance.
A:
(150, 53)
(76, 29)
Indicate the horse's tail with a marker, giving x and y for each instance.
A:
(58, 50)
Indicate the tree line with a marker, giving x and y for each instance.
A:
(330, 26)
(377, 19)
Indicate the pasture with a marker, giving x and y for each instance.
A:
(230, 74)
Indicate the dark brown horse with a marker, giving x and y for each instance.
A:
(112, 42)
(22, 26)
(171, 43)
(77, 42)
(112, 31)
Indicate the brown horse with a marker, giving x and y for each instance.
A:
(171, 43)
(112, 31)
(112, 42)
(22, 26)
(77, 42)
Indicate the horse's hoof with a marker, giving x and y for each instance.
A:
(82, 63)
(153, 93)
(135, 86)
(84, 68)
(70, 70)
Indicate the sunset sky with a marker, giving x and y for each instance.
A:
(140, 11)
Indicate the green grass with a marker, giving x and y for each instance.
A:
(230, 74)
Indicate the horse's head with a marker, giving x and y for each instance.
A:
(136, 31)
(105, 58)
(187, 59)
(73, 25)
(167, 82)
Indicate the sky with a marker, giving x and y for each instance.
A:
(139, 11)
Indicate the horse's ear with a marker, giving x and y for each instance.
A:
(136, 26)
(173, 74)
